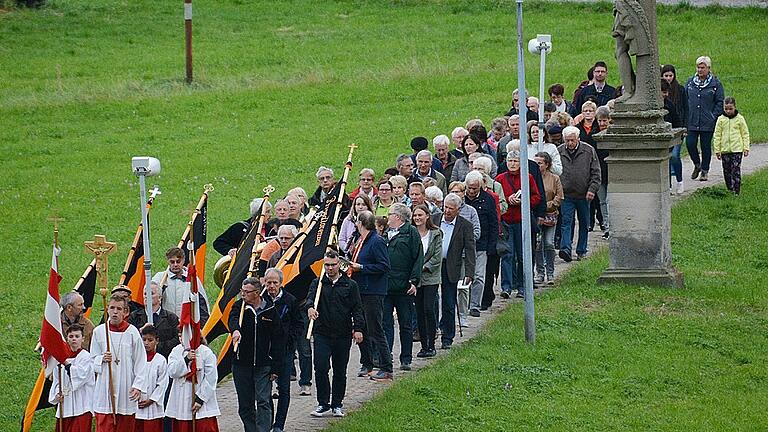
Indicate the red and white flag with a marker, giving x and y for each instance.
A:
(51, 337)
(190, 317)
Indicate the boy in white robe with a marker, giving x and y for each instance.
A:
(127, 359)
(73, 395)
(180, 401)
(149, 418)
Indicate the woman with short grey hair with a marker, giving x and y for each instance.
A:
(705, 104)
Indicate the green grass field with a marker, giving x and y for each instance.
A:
(281, 87)
(615, 357)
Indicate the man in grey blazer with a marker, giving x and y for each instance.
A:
(458, 245)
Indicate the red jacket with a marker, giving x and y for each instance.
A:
(510, 183)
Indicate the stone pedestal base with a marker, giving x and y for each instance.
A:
(638, 143)
(669, 278)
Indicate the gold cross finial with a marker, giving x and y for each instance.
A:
(207, 188)
(268, 190)
(101, 248)
(56, 219)
(352, 146)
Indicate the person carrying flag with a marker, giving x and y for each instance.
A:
(72, 390)
(176, 287)
(183, 404)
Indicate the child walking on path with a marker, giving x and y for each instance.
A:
(730, 142)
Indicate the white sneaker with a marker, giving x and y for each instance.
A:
(679, 188)
(320, 411)
(305, 390)
(338, 412)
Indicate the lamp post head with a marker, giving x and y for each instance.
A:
(145, 166)
(541, 43)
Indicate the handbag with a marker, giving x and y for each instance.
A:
(550, 219)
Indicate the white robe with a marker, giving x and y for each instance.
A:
(180, 399)
(78, 385)
(128, 348)
(156, 376)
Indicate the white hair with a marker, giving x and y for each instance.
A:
(321, 170)
(401, 211)
(433, 193)
(454, 199)
(484, 162)
(256, 205)
(513, 145)
(474, 177)
(533, 99)
(69, 298)
(368, 171)
(298, 192)
(287, 227)
(424, 152)
(704, 59)
(441, 139)
(276, 271)
(571, 131)
(457, 131)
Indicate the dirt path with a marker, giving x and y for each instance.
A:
(360, 390)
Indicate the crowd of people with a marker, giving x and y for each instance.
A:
(424, 243)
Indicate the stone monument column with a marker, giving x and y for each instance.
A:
(638, 142)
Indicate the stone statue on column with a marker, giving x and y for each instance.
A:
(638, 142)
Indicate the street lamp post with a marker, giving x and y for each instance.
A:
(525, 208)
(542, 45)
(144, 166)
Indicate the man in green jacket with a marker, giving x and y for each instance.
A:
(406, 259)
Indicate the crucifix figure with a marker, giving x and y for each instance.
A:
(101, 248)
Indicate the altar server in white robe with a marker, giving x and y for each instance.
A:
(149, 418)
(73, 395)
(128, 360)
(180, 401)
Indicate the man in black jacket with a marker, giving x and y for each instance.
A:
(290, 316)
(166, 322)
(485, 205)
(228, 241)
(599, 90)
(259, 342)
(338, 318)
(458, 249)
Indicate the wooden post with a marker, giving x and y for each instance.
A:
(188, 38)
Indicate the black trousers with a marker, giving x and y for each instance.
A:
(426, 315)
(374, 351)
(491, 271)
(331, 351)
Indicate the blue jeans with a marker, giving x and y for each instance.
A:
(448, 307)
(545, 252)
(305, 355)
(253, 389)
(675, 163)
(581, 208)
(706, 148)
(405, 308)
(331, 351)
(512, 261)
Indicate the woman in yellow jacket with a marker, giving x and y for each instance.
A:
(730, 142)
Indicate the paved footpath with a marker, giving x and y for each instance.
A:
(360, 390)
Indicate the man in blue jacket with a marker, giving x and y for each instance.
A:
(370, 265)
(705, 104)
